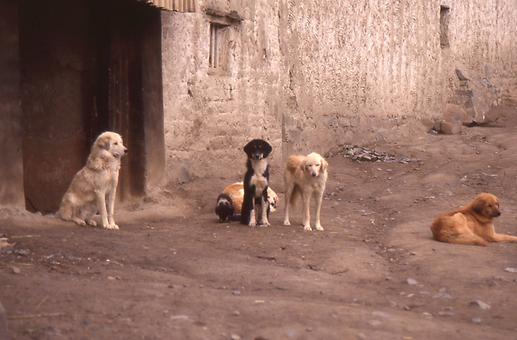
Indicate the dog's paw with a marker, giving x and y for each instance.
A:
(287, 222)
(307, 228)
(267, 224)
(112, 226)
(91, 223)
(80, 222)
(319, 227)
(252, 224)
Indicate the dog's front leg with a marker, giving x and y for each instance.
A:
(306, 197)
(319, 198)
(101, 206)
(502, 238)
(263, 209)
(111, 206)
(253, 220)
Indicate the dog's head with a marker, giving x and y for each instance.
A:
(314, 164)
(111, 142)
(486, 205)
(224, 207)
(257, 149)
(272, 198)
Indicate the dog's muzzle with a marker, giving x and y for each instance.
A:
(257, 156)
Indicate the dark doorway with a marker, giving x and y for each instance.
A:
(88, 66)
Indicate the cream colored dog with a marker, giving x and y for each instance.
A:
(95, 185)
(305, 176)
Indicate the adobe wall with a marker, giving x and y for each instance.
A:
(11, 166)
(210, 114)
(483, 46)
(360, 69)
(315, 74)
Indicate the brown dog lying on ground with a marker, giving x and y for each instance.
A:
(471, 224)
(229, 202)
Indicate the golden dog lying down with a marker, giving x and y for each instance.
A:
(471, 224)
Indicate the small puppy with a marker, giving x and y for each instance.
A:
(229, 202)
(305, 176)
(95, 185)
(256, 182)
(472, 224)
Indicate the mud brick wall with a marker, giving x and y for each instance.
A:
(210, 113)
(483, 46)
(309, 75)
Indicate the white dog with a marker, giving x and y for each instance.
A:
(305, 176)
(95, 185)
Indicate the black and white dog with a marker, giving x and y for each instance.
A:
(256, 181)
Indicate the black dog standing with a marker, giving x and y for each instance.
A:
(256, 182)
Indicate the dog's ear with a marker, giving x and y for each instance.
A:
(247, 148)
(324, 164)
(104, 143)
(478, 206)
(267, 149)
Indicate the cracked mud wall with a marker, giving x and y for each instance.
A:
(309, 75)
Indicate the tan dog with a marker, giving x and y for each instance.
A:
(305, 176)
(95, 185)
(229, 202)
(471, 224)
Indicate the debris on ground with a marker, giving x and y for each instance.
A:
(480, 304)
(4, 243)
(363, 154)
(411, 281)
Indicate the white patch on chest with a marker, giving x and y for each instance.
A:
(258, 180)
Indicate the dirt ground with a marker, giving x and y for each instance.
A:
(173, 272)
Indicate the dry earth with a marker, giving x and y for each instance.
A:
(173, 272)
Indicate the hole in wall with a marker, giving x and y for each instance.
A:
(444, 26)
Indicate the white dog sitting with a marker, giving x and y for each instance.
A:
(94, 187)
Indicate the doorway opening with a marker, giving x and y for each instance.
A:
(89, 66)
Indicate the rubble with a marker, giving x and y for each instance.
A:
(360, 153)
(4, 243)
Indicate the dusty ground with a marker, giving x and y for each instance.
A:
(174, 273)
